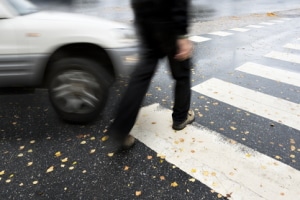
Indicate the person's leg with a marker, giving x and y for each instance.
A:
(181, 71)
(133, 97)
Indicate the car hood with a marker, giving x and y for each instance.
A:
(80, 19)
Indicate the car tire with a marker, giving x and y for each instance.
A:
(78, 89)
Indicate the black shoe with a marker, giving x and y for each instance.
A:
(181, 125)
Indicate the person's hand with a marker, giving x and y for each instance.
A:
(185, 49)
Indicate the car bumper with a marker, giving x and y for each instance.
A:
(124, 59)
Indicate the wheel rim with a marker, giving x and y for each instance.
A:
(75, 91)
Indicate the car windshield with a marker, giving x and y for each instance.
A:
(23, 7)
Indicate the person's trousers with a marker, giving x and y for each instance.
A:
(138, 86)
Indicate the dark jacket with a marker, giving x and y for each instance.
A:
(166, 14)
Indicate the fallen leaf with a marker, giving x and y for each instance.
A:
(233, 128)
(149, 157)
(126, 168)
(83, 142)
(57, 154)
(192, 179)
(8, 181)
(293, 148)
(162, 178)
(64, 160)
(174, 184)
(20, 155)
(35, 182)
(21, 147)
(32, 141)
(104, 138)
(194, 170)
(50, 169)
(71, 168)
(138, 193)
(29, 164)
(92, 151)
(92, 138)
(110, 154)
(2, 172)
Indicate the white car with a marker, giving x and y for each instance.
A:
(75, 56)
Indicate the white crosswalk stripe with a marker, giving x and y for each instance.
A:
(198, 39)
(292, 46)
(289, 57)
(279, 110)
(272, 73)
(240, 29)
(266, 23)
(254, 26)
(220, 33)
(209, 157)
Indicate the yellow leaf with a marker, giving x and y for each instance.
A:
(194, 170)
(35, 182)
(50, 169)
(64, 160)
(161, 156)
(110, 154)
(205, 173)
(192, 179)
(233, 128)
(248, 155)
(29, 164)
(104, 138)
(92, 151)
(8, 181)
(174, 184)
(92, 138)
(2, 172)
(71, 168)
(20, 155)
(83, 142)
(57, 154)
(293, 148)
(138, 193)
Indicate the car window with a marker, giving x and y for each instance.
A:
(23, 7)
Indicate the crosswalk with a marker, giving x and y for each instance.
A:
(238, 172)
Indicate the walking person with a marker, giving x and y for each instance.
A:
(163, 27)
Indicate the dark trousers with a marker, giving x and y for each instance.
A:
(140, 81)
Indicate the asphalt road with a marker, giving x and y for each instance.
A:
(244, 144)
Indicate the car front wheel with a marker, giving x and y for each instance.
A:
(78, 89)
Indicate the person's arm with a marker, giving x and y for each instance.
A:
(181, 23)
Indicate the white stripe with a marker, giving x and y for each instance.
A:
(279, 75)
(266, 23)
(220, 33)
(284, 56)
(279, 110)
(277, 21)
(198, 38)
(240, 29)
(287, 19)
(226, 167)
(292, 46)
(255, 26)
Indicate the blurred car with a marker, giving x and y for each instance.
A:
(77, 57)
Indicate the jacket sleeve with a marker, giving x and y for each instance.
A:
(180, 15)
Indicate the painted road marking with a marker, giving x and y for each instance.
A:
(284, 56)
(240, 29)
(277, 21)
(292, 46)
(266, 23)
(276, 109)
(255, 26)
(198, 39)
(272, 73)
(226, 167)
(220, 33)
